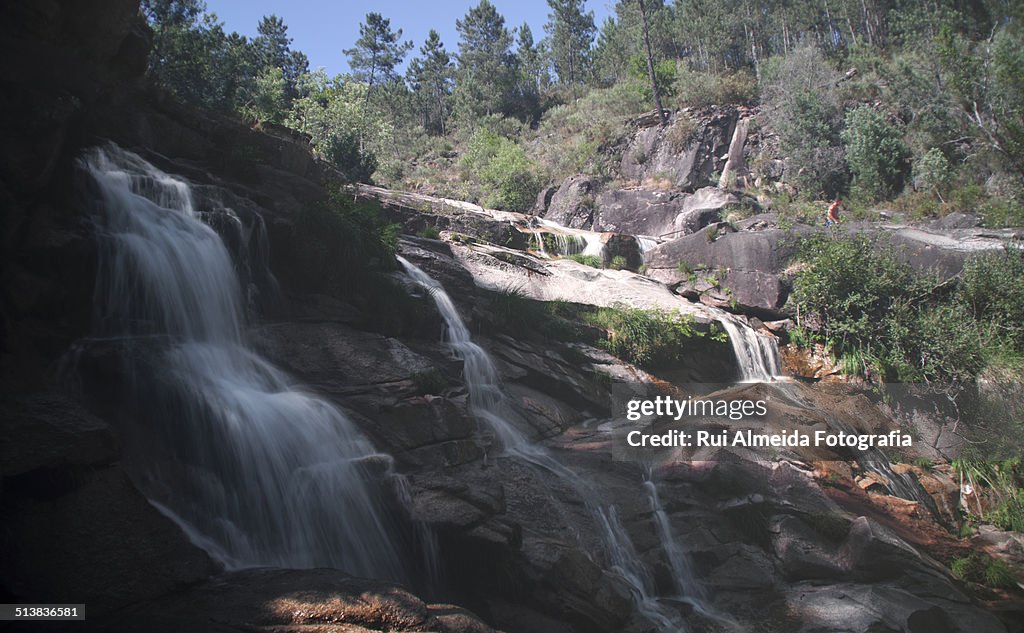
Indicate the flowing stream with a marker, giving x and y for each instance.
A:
(255, 470)
(758, 356)
(488, 403)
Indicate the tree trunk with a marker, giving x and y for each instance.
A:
(650, 64)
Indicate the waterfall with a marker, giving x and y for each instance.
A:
(256, 471)
(682, 576)
(758, 356)
(644, 244)
(488, 403)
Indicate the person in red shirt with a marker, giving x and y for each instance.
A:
(832, 217)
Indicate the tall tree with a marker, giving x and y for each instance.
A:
(377, 52)
(487, 68)
(273, 48)
(572, 34)
(431, 78)
(650, 62)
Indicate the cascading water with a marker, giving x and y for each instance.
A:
(254, 470)
(758, 356)
(487, 400)
(682, 575)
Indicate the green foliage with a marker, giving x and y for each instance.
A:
(486, 75)
(992, 292)
(377, 52)
(430, 232)
(572, 33)
(587, 260)
(876, 316)
(339, 245)
(431, 77)
(649, 338)
(875, 153)
(429, 381)
(982, 569)
(932, 171)
(265, 100)
(618, 263)
(501, 167)
(803, 109)
(342, 126)
(580, 137)
(699, 89)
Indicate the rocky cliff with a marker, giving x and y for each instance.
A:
(791, 543)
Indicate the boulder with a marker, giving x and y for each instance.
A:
(294, 601)
(48, 431)
(573, 204)
(657, 153)
(659, 213)
(84, 535)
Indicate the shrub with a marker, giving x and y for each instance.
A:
(932, 171)
(429, 381)
(875, 315)
(430, 232)
(618, 263)
(802, 107)
(992, 291)
(501, 167)
(649, 338)
(587, 260)
(875, 153)
(981, 569)
(339, 244)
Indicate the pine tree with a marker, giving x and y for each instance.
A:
(487, 68)
(377, 52)
(431, 77)
(273, 50)
(571, 32)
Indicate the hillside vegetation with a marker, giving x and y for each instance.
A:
(915, 104)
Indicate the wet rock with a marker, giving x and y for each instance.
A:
(90, 536)
(49, 431)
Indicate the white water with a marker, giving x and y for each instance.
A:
(255, 470)
(757, 355)
(488, 403)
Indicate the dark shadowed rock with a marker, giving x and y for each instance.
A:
(294, 601)
(78, 535)
(540, 207)
(47, 431)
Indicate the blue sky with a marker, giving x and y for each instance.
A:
(323, 28)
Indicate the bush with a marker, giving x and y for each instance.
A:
(992, 291)
(877, 316)
(339, 244)
(430, 232)
(618, 263)
(501, 167)
(984, 570)
(932, 171)
(700, 89)
(587, 260)
(875, 153)
(802, 108)
(649, 338)
(429, 381)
